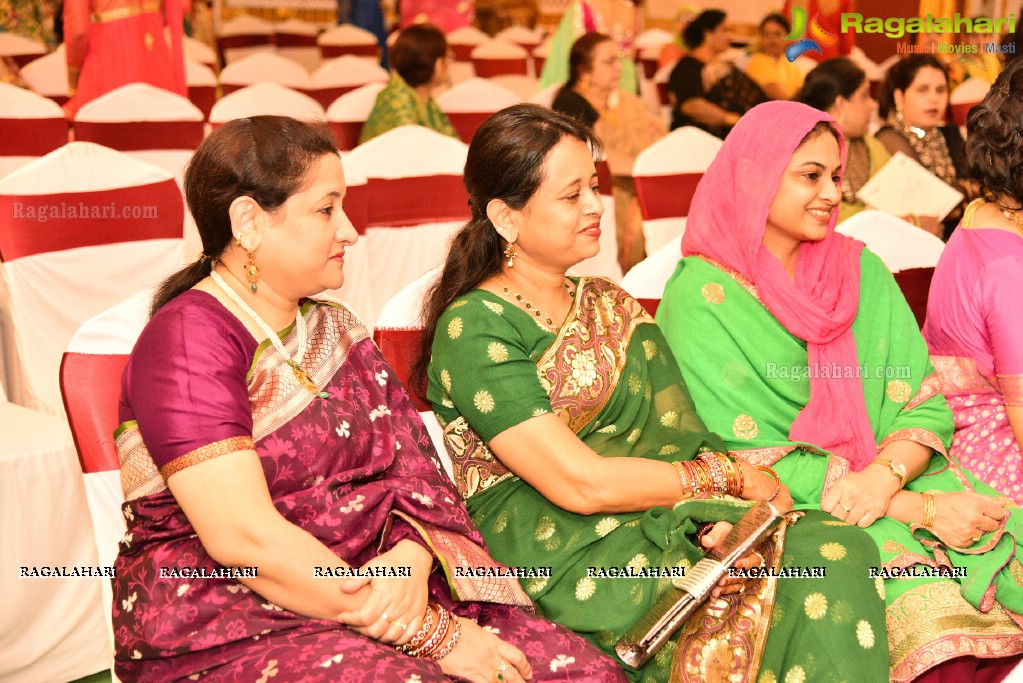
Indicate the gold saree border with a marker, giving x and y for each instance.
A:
(954, 628)
(472, 462)
(1011, 387)
(139, 474)
(454, 550)
(725, 639)
(924, 437)
(583, 366)
(207, 452)
(929, 388)
(959, 375)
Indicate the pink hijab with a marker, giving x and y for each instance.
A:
(727, 224)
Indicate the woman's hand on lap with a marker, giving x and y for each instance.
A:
(961, 516)
(480, 655)
(861, 498)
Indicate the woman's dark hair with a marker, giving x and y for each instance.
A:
(416, 51)
(901, 75)
(829, 80)
(507, 160)
(262, 157)
(994, 148)
(698, 28)
(775, 18)
(820, 128)
(580, 58)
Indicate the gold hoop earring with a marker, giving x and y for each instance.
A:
(511, 254)
(251, 270)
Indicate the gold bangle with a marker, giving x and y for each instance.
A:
(930, 509)
(446, 649)
(771, 473)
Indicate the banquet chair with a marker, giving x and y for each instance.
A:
(30, 126)
(524, 87)
(201, 82)
(647, 47)
(348, 39)
(646, 279)
(526, 38)
(463, 40)
(398, 335)
(539, 54)
(90, 384)
(468, 104)
(51, 629)
(341, 76)
(80, 229)
(145, 122)
(48, 75)
(265, 99)
(296, 40)
(667, 173)
(546, 96)
(349, 112)
(199, 51)
(263, 67)
(909, 252)
(20, 49)
(414, 200)
(242, 36)
(356, 291)
(965, 97)
(498, 58)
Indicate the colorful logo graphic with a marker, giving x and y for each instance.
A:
(818, 36)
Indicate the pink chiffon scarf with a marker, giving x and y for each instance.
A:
(727, 224)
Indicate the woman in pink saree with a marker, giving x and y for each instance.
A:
(287, 516)
(973, 313)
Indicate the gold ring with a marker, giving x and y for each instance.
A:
(499, 674)
(847, 510)
(974, 539)
(403, 627)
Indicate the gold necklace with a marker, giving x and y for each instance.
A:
(1012, 214)
(540, 317)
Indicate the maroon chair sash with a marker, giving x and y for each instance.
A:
(650, 305)
(32, 137)
(400, 348)
(91, 387)
(204, 97)
(407, 202)
(225, 43)
(39, 224)
(326, 96)
(662, 94)
(128, 136)
(22, 60)
(915, 284)
(466, 123)
(960, 110)
(539, 62)
(604, 178)
(649, 67)
(666, 196)
(463, 53)
(488, 68)
(357, 206)
(332, 51)
(347, 134)
(294, 40)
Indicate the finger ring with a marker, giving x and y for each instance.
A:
(847, 510)
(974, 539)
(499, 674)
(400, 625)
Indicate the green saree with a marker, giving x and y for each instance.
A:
(609, 375)
(749, 377)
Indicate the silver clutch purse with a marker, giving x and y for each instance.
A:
(677, 604)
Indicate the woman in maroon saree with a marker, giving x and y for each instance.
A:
(259, 465)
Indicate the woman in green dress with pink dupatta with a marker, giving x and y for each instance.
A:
(799, 348)
(576, 445)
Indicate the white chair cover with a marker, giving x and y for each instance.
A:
(242, 36)
(264, 67)
(348, 39)
(463, 39)
(470, 102)
(30, 126)
(499, 58)
(546, 96)
(349, 112)
(51, 629)
(199, 51)
(652, 37)
(647, 278)
(80, 229)
(402, 312)
(666, 174)
(266, 98)
(296, 40)
(524, 87)
(969, 94)
(415, 202)
(521, 36)
(48, 75)
(22, 50)
(899, 244)
(342, 75)
(357, 291)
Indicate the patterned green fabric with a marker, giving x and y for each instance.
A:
(399, 105)
(748, 376)
(485, 369)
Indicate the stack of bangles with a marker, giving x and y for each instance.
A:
(929, 510)
(437, 636)
(717, 474)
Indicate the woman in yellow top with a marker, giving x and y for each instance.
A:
(779, 78)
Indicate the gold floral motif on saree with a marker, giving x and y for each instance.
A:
(276, 397)
(920, 435)
(953, 628)
(745, 427)
(582, 368)
(713, 292)
(960, 375)
(898, 391)
(930, 387)
(741, 279)
(454, 550)
(474, 465)
(724, 640)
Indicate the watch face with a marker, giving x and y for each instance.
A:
(899, 469)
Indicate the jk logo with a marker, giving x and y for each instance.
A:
(801, 45)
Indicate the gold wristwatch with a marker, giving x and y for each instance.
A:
(896, 467)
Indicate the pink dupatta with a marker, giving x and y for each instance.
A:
(727, 224)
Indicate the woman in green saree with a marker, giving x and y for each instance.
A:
(577, 447)
(799, 348)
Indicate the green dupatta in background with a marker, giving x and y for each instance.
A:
(748, 376)
(609, 375)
